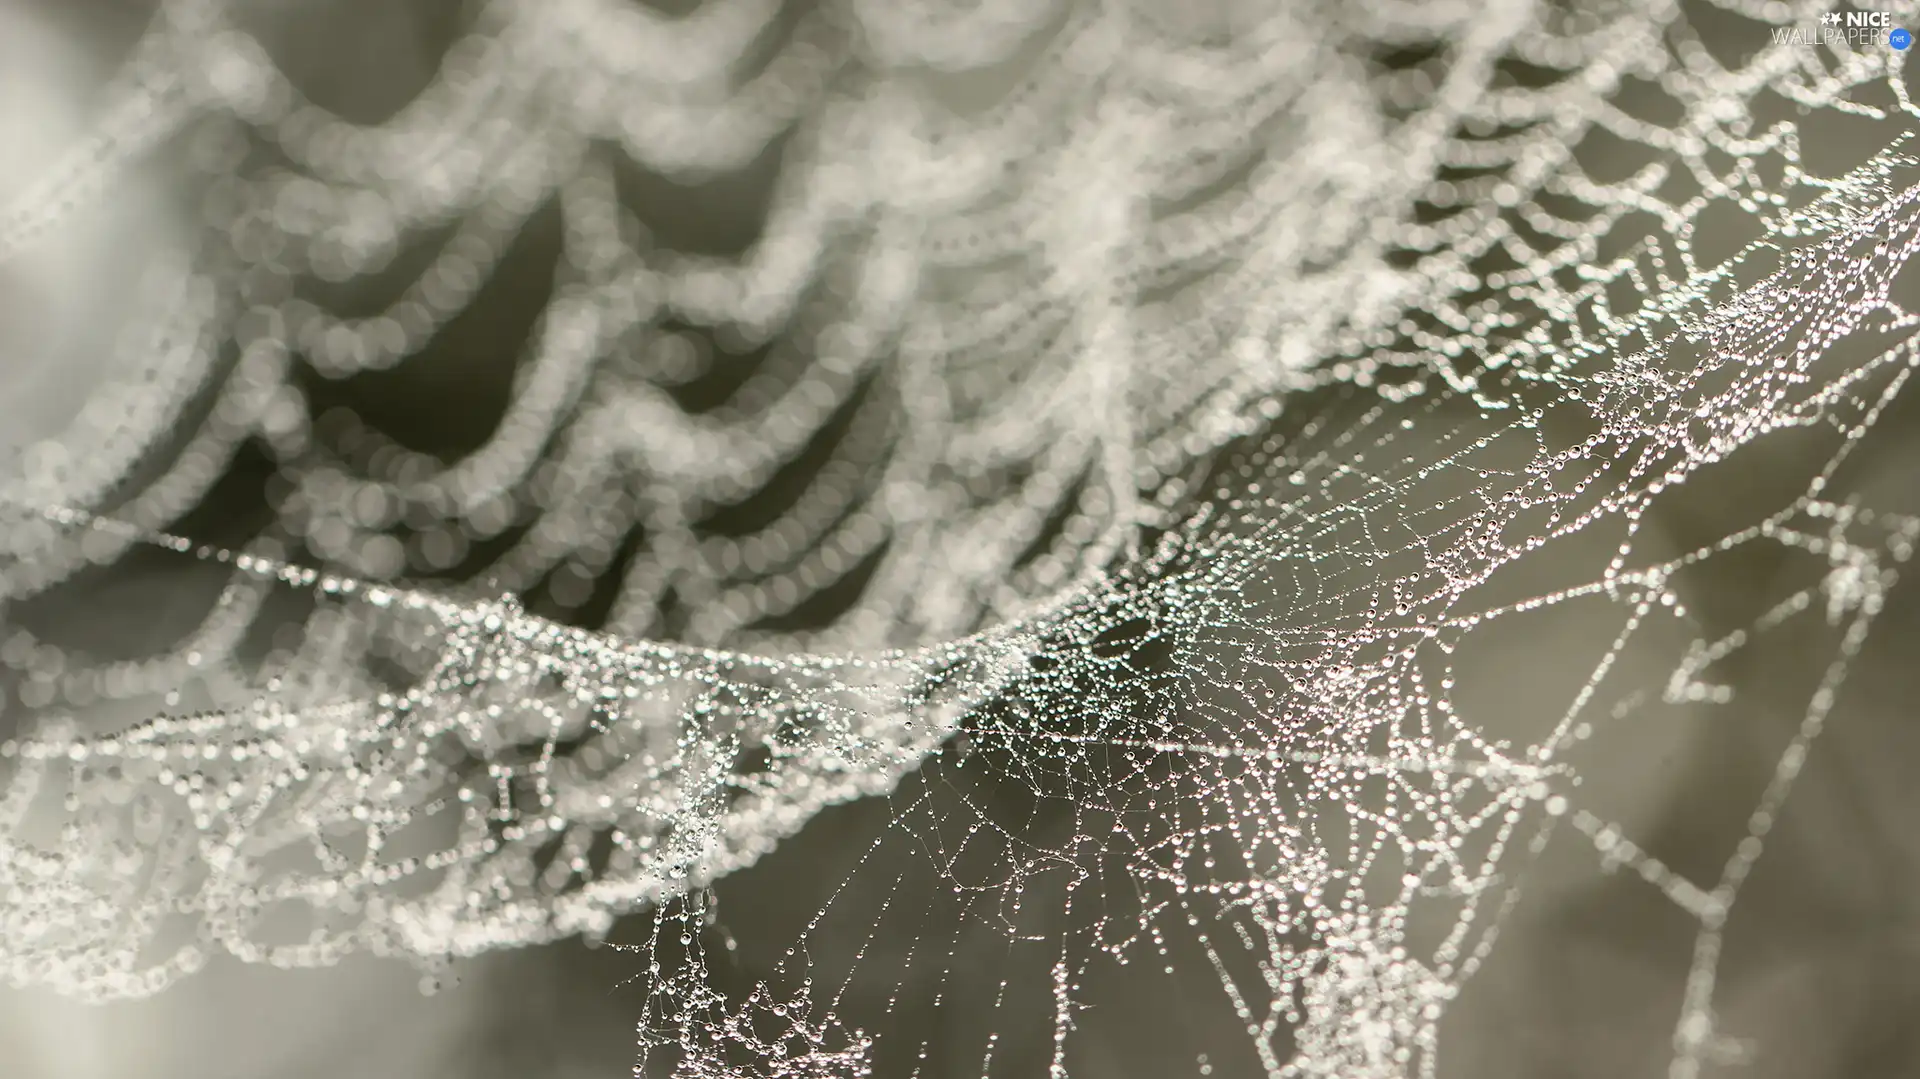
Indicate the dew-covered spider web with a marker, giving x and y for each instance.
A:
(1122, 453)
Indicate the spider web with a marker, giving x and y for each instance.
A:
(1111, 473)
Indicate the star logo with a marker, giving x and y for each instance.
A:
(1831, 18)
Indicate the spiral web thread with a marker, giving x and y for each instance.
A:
(1176, 418)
